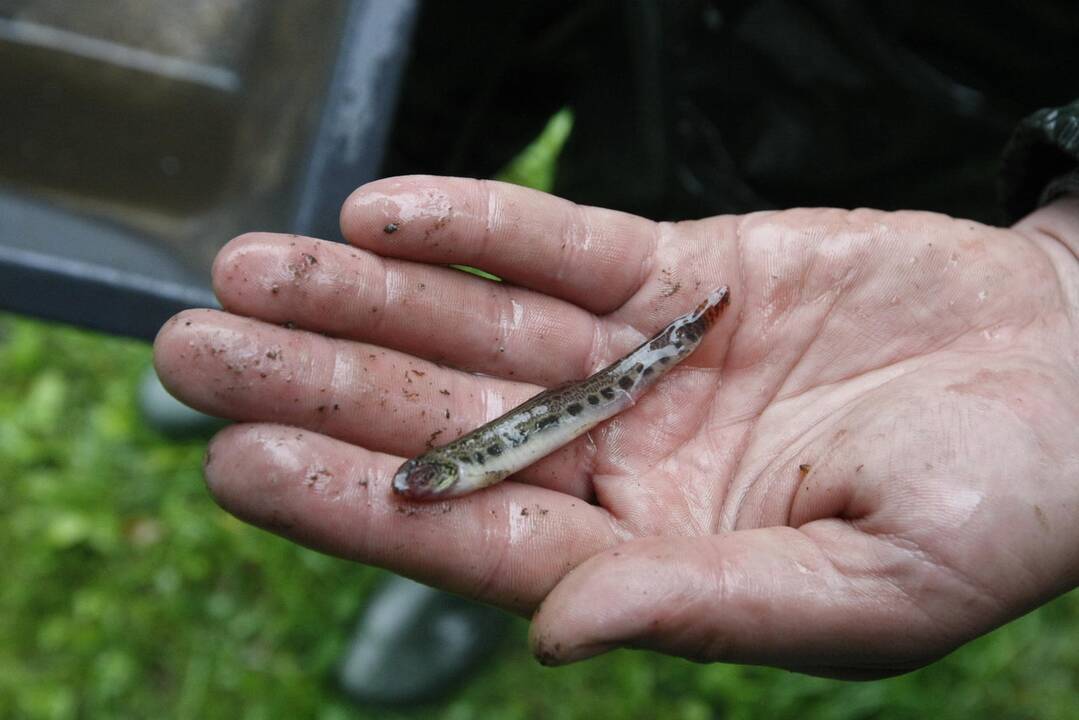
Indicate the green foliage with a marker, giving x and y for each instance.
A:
(126, 591)
(477, 272)
(535, 166)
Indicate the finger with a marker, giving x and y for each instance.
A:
(507, 545)
(824, 596)
(592, 257)
(432, 312)
(248, 370)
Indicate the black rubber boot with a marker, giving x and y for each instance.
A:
(414, 643)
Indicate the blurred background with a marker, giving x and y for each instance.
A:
(137, 136)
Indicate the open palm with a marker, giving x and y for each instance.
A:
(868, 461)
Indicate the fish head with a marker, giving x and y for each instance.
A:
(425, 478)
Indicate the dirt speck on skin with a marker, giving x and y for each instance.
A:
(524, 512)
(444, 391)
(423, 509)
(544, 656)
(431, 440)
(318, 479)
(390, 228)
(440, 222)
(859, 468)
(1043, 520)
(669, 285)
(300, 269)
(804, 469)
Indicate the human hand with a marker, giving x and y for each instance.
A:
(869, 461)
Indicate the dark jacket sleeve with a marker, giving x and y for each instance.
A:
(1041, 161)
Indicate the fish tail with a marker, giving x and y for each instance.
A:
(708, 312)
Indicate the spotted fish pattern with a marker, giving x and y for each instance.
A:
(546, 422)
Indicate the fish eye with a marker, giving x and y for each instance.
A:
(447, 475)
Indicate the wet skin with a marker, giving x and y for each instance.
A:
(869, 460)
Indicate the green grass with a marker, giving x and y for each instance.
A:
(127, 593)
(535, 166)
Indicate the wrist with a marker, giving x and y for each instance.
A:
(1056, 222)
(1055, 228)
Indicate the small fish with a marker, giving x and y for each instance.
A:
(547, 421)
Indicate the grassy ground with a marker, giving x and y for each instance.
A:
(127, 593)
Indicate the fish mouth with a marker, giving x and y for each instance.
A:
(420, 480)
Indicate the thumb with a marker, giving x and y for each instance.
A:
(774, 596)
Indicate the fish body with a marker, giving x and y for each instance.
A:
(554, 417)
